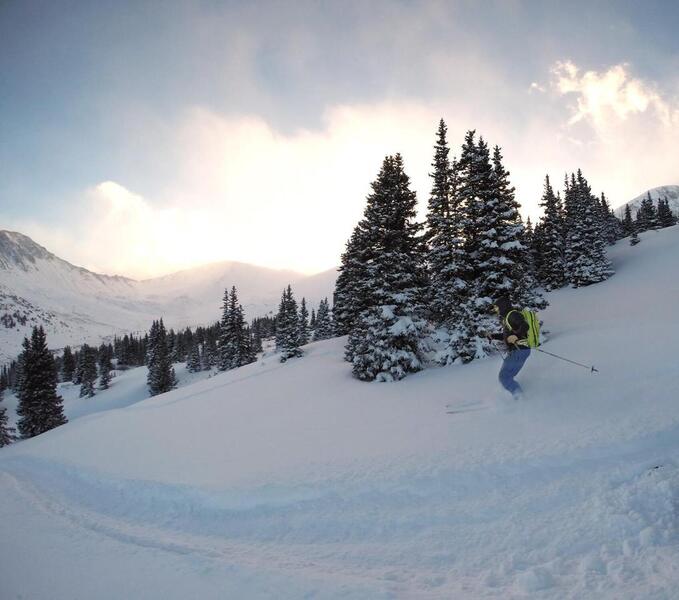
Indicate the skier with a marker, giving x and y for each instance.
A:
(515, 333)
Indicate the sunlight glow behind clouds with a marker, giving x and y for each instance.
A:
(238, 189)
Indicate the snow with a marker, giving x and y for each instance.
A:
(296, 480)
(671, 192)
(77, 306)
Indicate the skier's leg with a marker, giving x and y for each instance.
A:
(511, 365)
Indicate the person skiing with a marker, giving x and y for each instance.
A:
(515, 333)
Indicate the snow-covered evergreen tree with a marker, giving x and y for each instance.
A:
(385, 342)
(287, 327)
(6, 432)
(303, 323)
(551, 271)
(324, 326)
(497, 261)
(647, 216)
(586, 259)
(664, 214)
(348, 302)
(104, 370)
(67, 364)
(161, 376)
(40, 407)
(627, 222)
(444, 238)
(193, 364)
(235, 349)
(88, 371)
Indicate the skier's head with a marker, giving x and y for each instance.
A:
(502, 305)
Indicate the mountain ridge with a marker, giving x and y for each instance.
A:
(76, 305)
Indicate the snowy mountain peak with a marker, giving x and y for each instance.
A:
(18, 250)
(670, 192)
(75, 305)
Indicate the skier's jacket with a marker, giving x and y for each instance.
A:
(513, 323)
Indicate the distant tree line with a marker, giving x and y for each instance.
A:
(648, 217)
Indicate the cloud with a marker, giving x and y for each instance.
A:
(236, 187)
(609, 96)
(625, 127)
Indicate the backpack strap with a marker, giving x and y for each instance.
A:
(508, 327)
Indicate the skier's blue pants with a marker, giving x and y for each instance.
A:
(511, 365)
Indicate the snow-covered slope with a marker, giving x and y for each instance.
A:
(295, 480)
(671, 192)
(75, 305)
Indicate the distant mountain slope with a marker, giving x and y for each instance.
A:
(76, 305)
(671, 192)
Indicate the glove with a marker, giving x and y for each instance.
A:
(512, 339)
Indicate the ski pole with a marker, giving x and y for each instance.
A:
(502, 354)
(591, 368)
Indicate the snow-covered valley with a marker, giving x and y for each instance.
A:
(77, 306)
(297, 481)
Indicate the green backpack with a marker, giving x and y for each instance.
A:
(532, 339)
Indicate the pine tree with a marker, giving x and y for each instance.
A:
(6, 432)
(348, 302)
(385, 342)
(647, 216)
(609, 223)
(88, 371)
(104, 370)
(312, 320)
(552, 268)
(194, 364)
(40, 407)
(287, 327)
(324, 326)
(67, 365)
(303, 321)
(161, 376)
(444, 238)
(665, 216)
(234, 339)
(586, 258)
(627, 222)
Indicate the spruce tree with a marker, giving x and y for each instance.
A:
(551, 272)
(104, 370)
(348, 302)
(385, 342)
(161, 376)
(324, 326)
(40, 407)
(628, 225)
(67, 365)
(235, 349)
(194, 364)
(88, 371)
(303, 321)
(6, 432)
(665, 216)
(444, 237)
(586, 258)
(287, 327)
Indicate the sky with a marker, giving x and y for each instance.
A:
(140, 138)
